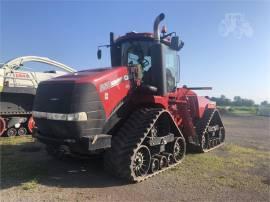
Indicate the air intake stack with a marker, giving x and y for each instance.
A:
(158, 19)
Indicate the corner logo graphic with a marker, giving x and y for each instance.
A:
(235, 24)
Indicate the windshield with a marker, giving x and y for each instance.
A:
(137, 53)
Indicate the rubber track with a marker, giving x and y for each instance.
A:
(118, 159)
(204, 125)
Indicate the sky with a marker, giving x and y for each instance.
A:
(227, 43)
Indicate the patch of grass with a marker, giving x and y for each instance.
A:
(17, 162)
(245, 152)
(230, 168)
(30, 185)
(237, 162)
(15, 140)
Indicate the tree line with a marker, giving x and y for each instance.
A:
(237, 101)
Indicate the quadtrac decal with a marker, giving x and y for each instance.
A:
(110, 84)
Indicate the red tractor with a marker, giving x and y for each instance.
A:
(132, 113)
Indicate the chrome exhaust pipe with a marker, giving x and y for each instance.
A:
(158, 19)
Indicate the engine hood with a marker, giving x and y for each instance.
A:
(94, 76)
(110, 84)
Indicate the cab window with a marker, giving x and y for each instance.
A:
(171, 68)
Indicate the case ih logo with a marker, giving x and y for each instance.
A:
(21, 75)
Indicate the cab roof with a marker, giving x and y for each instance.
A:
(147, 36)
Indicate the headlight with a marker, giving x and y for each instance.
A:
(39, 114)
(55, 116)
(80, 116)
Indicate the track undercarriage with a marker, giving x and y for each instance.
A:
(12, 125)
(211, 131)
(148, 143)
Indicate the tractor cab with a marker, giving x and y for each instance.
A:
(155, 57)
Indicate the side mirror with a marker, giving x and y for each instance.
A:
(99, 53)
(176, 43)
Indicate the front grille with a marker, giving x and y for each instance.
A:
(69, 97)
(54, 97)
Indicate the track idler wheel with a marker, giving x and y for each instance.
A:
(2, 126)
(11, 132)
(141, 161)
(178, 149)
(154, 165)
(22, 131)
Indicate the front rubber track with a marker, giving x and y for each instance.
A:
(117, 160)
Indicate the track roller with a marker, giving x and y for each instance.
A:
(163, 162)
(11, 132)
(170, 159)
(22, 131)
(154, 165)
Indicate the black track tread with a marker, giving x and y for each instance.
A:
(205, 122)
(117, 159)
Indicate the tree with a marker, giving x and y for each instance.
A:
(222, 100)
(265, 103)
(237, 101)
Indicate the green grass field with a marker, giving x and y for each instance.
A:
(22, 160)
(239, 110)
(231, 167)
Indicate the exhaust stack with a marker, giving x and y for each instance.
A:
(158, 19)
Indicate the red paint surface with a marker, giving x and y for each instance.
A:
(99, 77)
(31, 124)
(2, 126)
(184, 104)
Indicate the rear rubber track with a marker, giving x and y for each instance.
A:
(209, 116)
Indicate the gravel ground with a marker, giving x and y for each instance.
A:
(238, 171)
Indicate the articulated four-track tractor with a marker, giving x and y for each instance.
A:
(132, 113)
